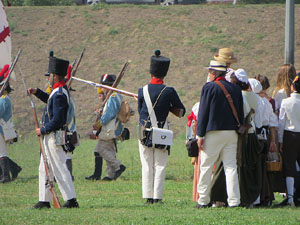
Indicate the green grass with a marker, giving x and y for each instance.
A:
(120, 202)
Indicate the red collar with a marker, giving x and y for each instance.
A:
(59, 84)
(220, 78)
(156, 81)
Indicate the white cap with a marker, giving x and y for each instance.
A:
(241, 75)
(255, 85)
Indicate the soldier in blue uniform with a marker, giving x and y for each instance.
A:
(110, 129)
(154, 158)
(7, 166)
(55, 120)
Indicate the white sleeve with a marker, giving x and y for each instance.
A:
(278, 98)
(273, 120)
(258, 114)
(281, 123)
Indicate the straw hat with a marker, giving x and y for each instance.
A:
(225, 55)
(217, 65)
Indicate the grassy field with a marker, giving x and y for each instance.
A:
(120, 202)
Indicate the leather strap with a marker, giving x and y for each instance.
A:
(228, 96)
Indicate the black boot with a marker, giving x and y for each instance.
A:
(98, 168)
(72, 203)
(15, 169)
(70, 167)
(41, 205)
(157, 201)
(119, 171)
(5, 170)
(149, 201)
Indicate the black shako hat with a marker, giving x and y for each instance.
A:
(107, 79)
(57, 66)
(159, 65)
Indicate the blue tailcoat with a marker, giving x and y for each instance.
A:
(215, 112)
(57, 108)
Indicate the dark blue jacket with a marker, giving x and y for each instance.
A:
(168, 99)
(214, 110)
(57, 107)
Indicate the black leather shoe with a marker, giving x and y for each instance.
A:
(199, 206)
(15, 173)
(158, 201)
(107, 179)
(92, 177)
(149, 201)
(41, 205)
(120, 171)
(72, 203)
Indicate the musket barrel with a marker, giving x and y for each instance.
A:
(130, 94)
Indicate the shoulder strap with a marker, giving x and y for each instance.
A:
(149, 106)
(228, 96)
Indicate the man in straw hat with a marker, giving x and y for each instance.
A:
(55, 120)
(226, 55)
(216, 133)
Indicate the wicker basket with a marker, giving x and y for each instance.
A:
(275, 166)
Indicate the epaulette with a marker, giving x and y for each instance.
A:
(3, 96)
(114, 94)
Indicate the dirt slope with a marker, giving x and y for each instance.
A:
(112, 34)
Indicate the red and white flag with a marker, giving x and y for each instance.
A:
(5, 39)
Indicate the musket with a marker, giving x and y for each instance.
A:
(49, 182)
(115, 84)
(127, 93)
(75, 70)
(11, 68)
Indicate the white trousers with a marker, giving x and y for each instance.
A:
(56, 158)
(224, 144)
(154, 162)
(107, 150)
(3, 151)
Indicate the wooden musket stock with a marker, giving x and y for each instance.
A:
(115, 84)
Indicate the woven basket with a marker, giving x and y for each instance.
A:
(274, 166)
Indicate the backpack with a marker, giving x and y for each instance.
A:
(125, 112)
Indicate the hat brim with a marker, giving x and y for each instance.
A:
(232, 60)
(223, 69)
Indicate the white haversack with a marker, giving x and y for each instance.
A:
(162, 136)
